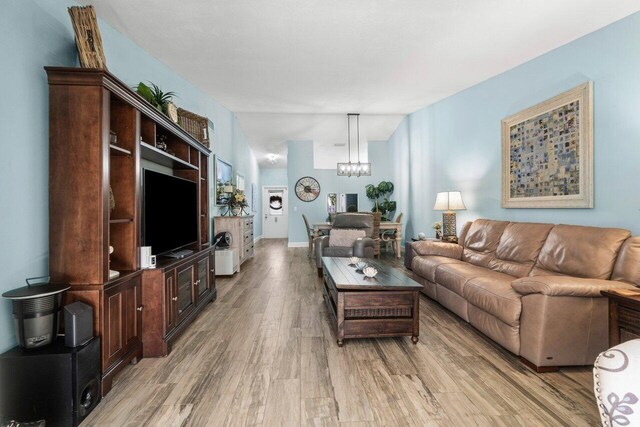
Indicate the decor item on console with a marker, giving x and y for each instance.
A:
(370, 272)
(159, 99)
(236, 203)
(112, 273)
(386, 207)
(88, 40)
(224, 180)
(533, 288)
(437, 226)
(197, 126)
(547, 153)
(449, 202)
(353, 168)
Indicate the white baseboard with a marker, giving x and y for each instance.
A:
(298, 244)
(257, 239)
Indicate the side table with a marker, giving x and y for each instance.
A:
(624, 316)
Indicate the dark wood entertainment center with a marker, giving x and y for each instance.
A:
(141, 312)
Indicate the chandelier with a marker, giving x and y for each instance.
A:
(354, 168)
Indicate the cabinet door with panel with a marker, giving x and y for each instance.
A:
(171, 298)
(123, 320)
(185, 288)
(212, 270)
(202, 282)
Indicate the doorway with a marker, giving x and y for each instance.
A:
(275, 212)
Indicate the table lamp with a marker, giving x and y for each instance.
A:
(449, 202)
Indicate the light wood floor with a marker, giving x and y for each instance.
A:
(265, 354)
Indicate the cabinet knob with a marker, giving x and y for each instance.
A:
(174, 299)
(139, 308)
(197, 282)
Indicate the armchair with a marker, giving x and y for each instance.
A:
(362, 247)
(615, 377)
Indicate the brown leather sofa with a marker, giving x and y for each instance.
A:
(533, 288)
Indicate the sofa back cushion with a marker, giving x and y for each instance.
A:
(463, 232)
(355, 221)
(579, 251)
(481, 241)
(519, 247)
(344, 237)
(627, 268)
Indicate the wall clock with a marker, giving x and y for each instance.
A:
(307, 189)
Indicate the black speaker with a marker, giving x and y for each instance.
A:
(78, 324)
(57, 384)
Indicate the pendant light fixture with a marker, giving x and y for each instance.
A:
(354, 168)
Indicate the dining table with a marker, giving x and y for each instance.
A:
(384, 227)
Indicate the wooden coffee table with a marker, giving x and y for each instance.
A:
(386, 306)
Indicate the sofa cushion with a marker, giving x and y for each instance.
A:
(580, 251)
(339, 251)
(519, 247)
(425, 266)
(344, 237)
(455, 276)
(495, 296)
(481, 241)
(429, 247)
(627, 267)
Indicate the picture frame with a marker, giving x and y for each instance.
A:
(254, 198)
(224, 178)
(547, 153)
(240, 182)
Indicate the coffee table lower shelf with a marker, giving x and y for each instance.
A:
(371, 313)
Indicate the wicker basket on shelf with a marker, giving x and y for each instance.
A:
(195, 125)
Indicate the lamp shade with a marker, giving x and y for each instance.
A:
(449, 201)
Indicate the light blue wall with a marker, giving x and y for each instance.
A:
(455, 143)
(273, 176)
(300, 163)
(38, 33)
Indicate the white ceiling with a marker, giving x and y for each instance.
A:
(273, 62)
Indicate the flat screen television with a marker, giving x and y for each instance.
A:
(170, 212)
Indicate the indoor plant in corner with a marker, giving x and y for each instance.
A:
(380, 196)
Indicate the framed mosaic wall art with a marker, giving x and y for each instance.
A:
(547, 153)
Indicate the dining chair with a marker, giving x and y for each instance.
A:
(309, 235)
(389, 236)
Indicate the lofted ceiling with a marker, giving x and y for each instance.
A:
(289, 67)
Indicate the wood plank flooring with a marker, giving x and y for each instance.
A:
(265, 353)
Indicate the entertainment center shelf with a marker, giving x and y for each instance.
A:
(100, 131)
(163, 158)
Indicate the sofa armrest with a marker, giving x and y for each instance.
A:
(429, 247)
(320, 243)
(360, 244)
(565, 286)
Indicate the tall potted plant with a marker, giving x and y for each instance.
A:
(379, 194)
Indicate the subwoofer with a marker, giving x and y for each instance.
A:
(57, 384)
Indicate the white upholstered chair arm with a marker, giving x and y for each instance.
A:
(616, 379)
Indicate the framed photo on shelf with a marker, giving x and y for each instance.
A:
(547, 153)
(224, 181)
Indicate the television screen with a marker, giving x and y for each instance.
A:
(170, 214)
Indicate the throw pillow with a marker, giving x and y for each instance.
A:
(344, 237)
